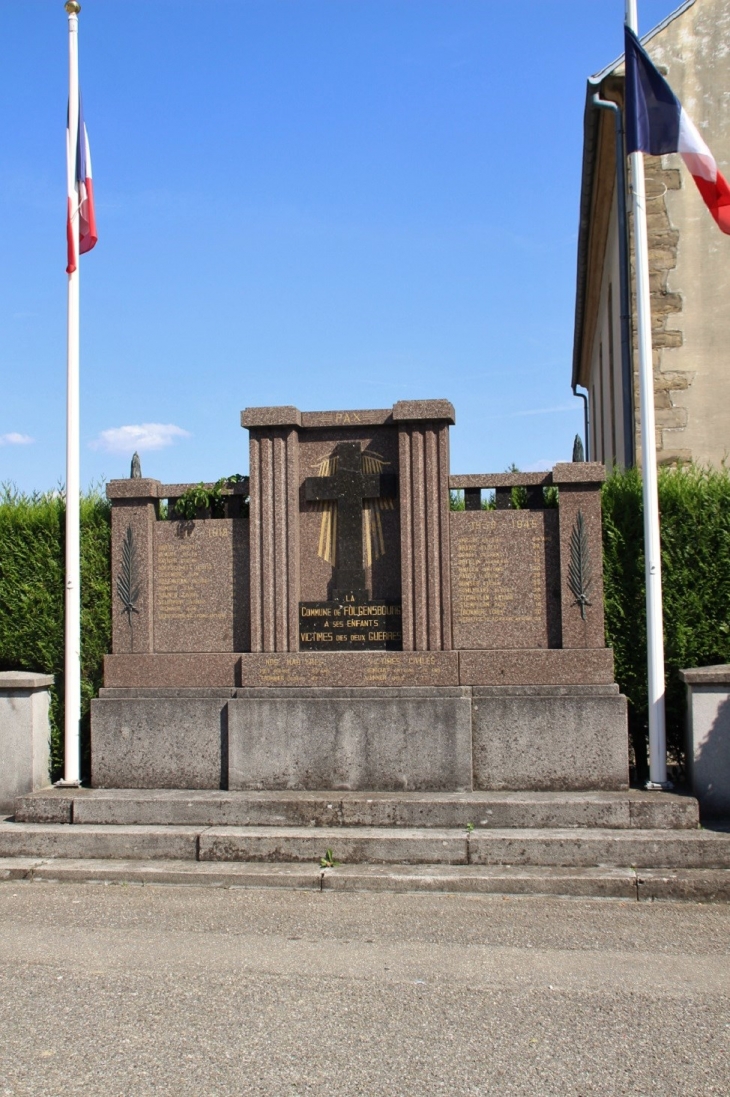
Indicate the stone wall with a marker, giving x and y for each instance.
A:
(689, 256)
(670, 384)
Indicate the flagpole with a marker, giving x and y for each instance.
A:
(652, 545)
(73, 517)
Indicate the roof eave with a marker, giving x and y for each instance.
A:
(590, 134)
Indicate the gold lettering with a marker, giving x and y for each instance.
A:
(498, 569)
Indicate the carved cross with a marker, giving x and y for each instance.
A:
(348, 488)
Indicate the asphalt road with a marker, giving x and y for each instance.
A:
(128, 991)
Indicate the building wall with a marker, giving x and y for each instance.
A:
(691, 310)
(689, 261)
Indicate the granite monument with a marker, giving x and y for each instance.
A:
(340, 625)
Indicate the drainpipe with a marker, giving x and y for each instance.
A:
(627, 373)
(582, 396)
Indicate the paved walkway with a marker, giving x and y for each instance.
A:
(125, 991)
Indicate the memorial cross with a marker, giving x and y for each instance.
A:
(348, 487)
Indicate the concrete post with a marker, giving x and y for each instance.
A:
(708, 737)
(24, 734)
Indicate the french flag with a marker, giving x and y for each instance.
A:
(657, 123)
(80, 195)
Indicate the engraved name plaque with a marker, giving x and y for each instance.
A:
(352, 625)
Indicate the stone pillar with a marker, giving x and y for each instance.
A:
(423, 439)
(24, 734)
(708, 737)
(274, 526)
(581, 546)
(134, 514)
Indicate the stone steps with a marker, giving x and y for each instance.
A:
(605, 844)
(537, 847)
(703, 885)
(158, 807)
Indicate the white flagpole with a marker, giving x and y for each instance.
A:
(73, 517)
(652, 546)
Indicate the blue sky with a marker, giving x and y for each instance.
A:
(328, 203)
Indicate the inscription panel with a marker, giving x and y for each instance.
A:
(201, 586)
(505, 576)
(350, 668)
(350, 626)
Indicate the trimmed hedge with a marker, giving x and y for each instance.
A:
(694, 504)
(695, 513)
(32, 548)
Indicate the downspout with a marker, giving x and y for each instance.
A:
(582, 396)
(627, 373)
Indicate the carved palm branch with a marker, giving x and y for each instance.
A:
(128, 586)
(580, 575)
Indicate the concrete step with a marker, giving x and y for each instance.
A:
(172, 871)
(353, 845)
(484, 810)
(118, 842)
(699, 885)
(547, 846)
(578, 847)
(602, 847)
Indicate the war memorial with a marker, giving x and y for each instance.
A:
(348, 630)
(334, 677)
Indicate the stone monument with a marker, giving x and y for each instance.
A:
(340, 626)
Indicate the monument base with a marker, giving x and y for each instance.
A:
(486, 667)
(160, 738)
(414, 738)
(406, 738)
(549, 738)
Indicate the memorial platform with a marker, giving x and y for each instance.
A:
(373, 738)
(631, 845)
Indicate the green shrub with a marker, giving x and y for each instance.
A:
(694, 504)
(32, 546)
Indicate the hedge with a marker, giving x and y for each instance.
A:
(32, 547)
(695, 514)
(694, 504)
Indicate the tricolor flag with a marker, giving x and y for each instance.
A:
(657, 123)
(80, 194)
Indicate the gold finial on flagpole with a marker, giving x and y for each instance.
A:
(72, 7)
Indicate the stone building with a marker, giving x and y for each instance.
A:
(688, 255)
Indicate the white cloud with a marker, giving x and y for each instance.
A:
(15, 439)
(143, 436)
(543, 464)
